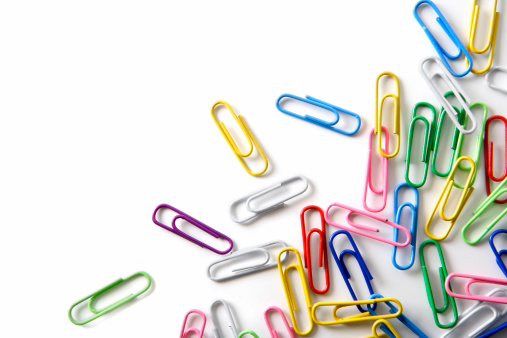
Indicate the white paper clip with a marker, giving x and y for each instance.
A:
(491, 84)
(213, 314)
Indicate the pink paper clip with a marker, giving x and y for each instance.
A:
(273, 332)
(199, 332)
(382, 191)
(354, 227)
(475, 279)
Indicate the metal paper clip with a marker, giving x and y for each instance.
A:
(340, 262)
(378, 115)
(355, 227)
(240, 255)
(385, 326)
(93, 297)
(322, 262)
(274, 334)
(473, 279)
(278, 203)
(442, 271)
(462, 98)
(490, 44)
(248, 135)
(197, 331)
(284, 274)
(250, 332)
(488, 156)
(442, 53)
(214, 318)
(490, 82)
(385, 168)
(198, 224)
(316, 102)
(414, 208)
(427, 143)
(444, 197)
(498, 254)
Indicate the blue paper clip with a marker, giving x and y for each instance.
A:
(442, 53)
(413, 227)
(498, 254)
(316, 102)
(343, 269)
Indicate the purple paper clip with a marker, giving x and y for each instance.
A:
(174, 229)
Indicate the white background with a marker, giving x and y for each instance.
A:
(106, 114)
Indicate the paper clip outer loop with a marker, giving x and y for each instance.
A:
(490, 83)
(498, 253)
(91, 298)
(198, 332)
(414, 208)
(284, 274)
(473, 279)
(198, 224)
(248, 135)
(378, 115)
(273, 332)
(385, 173)
(488, 156)
(248, 332)
(442, 270)
(319, 103)
(213, 314)
(383, 324)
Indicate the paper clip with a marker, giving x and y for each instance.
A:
(340, 262)
(488, 156)
(241, 255)
(198, 224)
(274, 334)
(444, 197)
(322, 248)
(493, 331)
(214, 318)
(488, 202)
(316, 102)
(498, 254)
(442, 271)
(490, 44)
(378, 115)
(284, 274)
(462, 98)
(250, 332)
(355, 227)
(442, 53)
(385, 168)
(94, 296)
(427, 143)
(473, 279)
(414, 208)
(198, 332)
(248, 135)
(490, 82)
(384, 324)
(257, 211)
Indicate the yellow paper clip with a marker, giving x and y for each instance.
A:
(378, 114)
(383, 335)
(490, 44)
(446, 192)
(284, 274)
(248, 135)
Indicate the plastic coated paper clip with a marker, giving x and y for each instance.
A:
(473, 279)
(488, 156)
(378, 115)
(288, 328)
(197, 331)
(414, 209)
(489, 81)
(230, 319)
(498, 253)
(369, 181)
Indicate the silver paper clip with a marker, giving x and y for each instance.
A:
(490, 82)
(213, 314)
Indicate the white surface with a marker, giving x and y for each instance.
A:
(106, 114)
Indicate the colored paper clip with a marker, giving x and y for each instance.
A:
(442, 53)
(214, 318)
(248, 135)
(427, 143)
(473, 279)
(94, 296)
(198, 224)
(278, 203)
(498, 254)
(488, 156)
(414, 208)
(197, 331)
(274, 334)
(250, 332)
(322, 262)
(493, 331)
(490, 83)
(242, 255)
(284, 274)
(444, 197)
(442, 271)
(369, 182)
(322, 123)
(462, 98)
(385, 326)
(378, 115)
(340, 262)
(488, 202)
(355, 227)
(490, 44)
